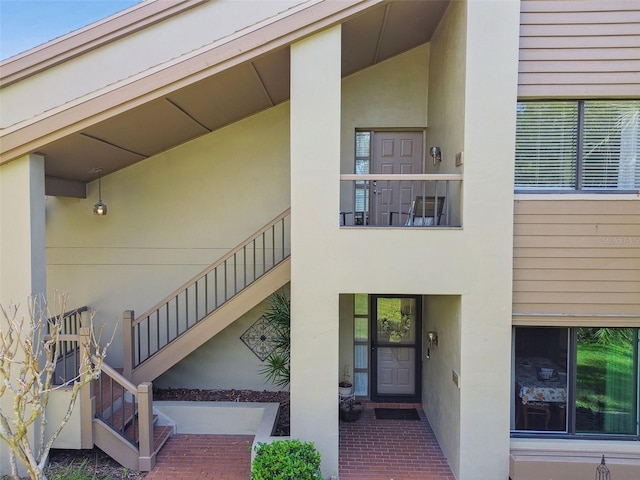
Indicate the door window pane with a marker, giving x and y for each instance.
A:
(361, 344)
(361, 330)
(361, 357)
(396, 320)
(362, 384)
(605, 381)
(361, 304)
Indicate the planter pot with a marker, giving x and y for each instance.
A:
(345, 391)
(351, 411)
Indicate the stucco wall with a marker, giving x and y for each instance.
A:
(22, 253)
(169, 218)
(440, 395)
(391, 94)
(447, 96)
(315, 165)
(441, 402)
(224, 362)
(489, 133)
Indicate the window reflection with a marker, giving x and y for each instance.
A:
(541, 379)
(605, 381)
(578, 381)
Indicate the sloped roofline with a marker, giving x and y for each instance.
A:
(83, 40)
(27, 136)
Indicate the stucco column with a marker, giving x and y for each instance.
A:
(491, 75)
(315, 167)
(22, 242)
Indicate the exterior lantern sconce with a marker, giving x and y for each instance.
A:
(432, 338)
(99, 208)
(436, 154)
(602, 472)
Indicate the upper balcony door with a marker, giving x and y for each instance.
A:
(393, 153)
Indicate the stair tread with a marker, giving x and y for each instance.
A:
(161, 434)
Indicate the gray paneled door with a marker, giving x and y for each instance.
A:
(396, 347)
(394, 153)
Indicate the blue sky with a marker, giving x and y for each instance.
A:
(25, 24)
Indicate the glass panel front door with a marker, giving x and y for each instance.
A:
(396, 347)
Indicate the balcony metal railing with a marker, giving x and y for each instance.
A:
(401, 200)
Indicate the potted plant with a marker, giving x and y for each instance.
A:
(345, 386)
(350, 410)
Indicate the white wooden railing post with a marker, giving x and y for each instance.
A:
(127, 343)
(145, 426)
(86, 404)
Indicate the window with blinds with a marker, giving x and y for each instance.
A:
(577, 145)
(362, 167)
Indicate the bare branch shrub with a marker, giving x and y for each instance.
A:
(29, 352)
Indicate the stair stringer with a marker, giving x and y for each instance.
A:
(213, 324)
(115, 446)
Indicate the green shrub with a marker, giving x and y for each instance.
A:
(286, 460)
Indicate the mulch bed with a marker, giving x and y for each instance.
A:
(102, 466)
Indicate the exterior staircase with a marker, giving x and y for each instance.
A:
(124, 425)
(121, 421)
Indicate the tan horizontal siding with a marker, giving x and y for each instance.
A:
(581, 91)
(602, 263)
(579, 48)
(576, 257)
(593, 65)
(589, 54)
(589, 79)
(582, 287)
(592, 228)
(575, 218)
(563, 6)
(600, 310)
(582, 275)
(595, 208)
(564, 252)
(563, 42)
(611, 300)
(581, 30)
(580, 17)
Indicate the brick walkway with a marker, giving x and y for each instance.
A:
(370, 449)
(373, 449)
(190, 457)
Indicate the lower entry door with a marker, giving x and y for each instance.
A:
(396, 348)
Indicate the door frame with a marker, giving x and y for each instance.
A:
(373, 356)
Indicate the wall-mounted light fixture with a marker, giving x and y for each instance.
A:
(99, 208)
(432, 338)
(436, 154)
